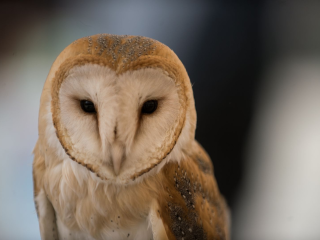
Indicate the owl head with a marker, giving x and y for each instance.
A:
(121, 106)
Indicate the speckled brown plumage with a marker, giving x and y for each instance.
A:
(191, 206)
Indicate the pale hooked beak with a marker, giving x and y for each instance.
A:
(117, 156)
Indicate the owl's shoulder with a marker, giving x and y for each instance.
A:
(38, 169)
(201, 159)
(192, 206)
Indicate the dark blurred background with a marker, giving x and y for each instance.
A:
(243, 59)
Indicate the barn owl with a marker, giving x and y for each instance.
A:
(116, 156)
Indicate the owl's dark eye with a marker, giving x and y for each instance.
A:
(87, 106)
(149, 106)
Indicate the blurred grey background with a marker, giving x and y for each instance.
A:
(255, 70)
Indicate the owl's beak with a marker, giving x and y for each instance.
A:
(117, 156)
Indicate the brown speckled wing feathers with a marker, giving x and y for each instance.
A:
(192, 207)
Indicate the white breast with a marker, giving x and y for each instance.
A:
(139, 231)
(117, 212)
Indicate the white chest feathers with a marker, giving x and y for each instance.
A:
(138, 231)
(87, 208)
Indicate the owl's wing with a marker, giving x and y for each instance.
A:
(45, 211)
(191, 206)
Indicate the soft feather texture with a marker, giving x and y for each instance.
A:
(118, 101)
(77, 188)
(86, 205)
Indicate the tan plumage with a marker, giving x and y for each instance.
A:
(119, 174)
